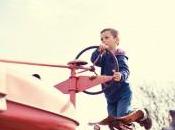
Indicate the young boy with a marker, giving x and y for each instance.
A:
(118, 94)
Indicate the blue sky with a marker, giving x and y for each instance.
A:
(41, 30)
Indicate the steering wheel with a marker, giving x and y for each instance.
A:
(115, 62)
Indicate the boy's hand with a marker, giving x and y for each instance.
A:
(103, 47)
(117, 76)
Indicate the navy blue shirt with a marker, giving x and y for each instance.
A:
(115, 90)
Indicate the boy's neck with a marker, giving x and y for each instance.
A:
(113, 50)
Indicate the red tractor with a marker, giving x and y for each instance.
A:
(25, 104)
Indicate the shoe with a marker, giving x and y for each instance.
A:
(147, 122)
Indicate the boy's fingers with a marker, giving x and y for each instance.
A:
(116, 79)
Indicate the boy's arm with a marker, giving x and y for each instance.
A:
(123, 67)
(94, 57)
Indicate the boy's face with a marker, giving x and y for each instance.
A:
(108, 39)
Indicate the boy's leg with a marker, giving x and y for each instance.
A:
(121, 108)
(140, 116)
(112, 109)
(124, 106)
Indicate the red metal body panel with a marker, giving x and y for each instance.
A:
(21, 117)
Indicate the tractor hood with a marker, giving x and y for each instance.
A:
(28, 90)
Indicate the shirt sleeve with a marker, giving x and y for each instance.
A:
(123, 67)
(96, 54)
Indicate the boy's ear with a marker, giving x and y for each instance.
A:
(117, 40)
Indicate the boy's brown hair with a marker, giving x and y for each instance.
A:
(114, 32)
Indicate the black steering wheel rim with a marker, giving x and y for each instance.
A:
(116, 67)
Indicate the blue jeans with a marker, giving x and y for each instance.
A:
(121, 107)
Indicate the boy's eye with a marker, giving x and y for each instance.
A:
(104, 38)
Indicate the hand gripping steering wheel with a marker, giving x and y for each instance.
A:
(115, 62)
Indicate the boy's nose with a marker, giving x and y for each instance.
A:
(105, 42)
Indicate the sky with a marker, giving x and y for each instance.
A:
(54, 31)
